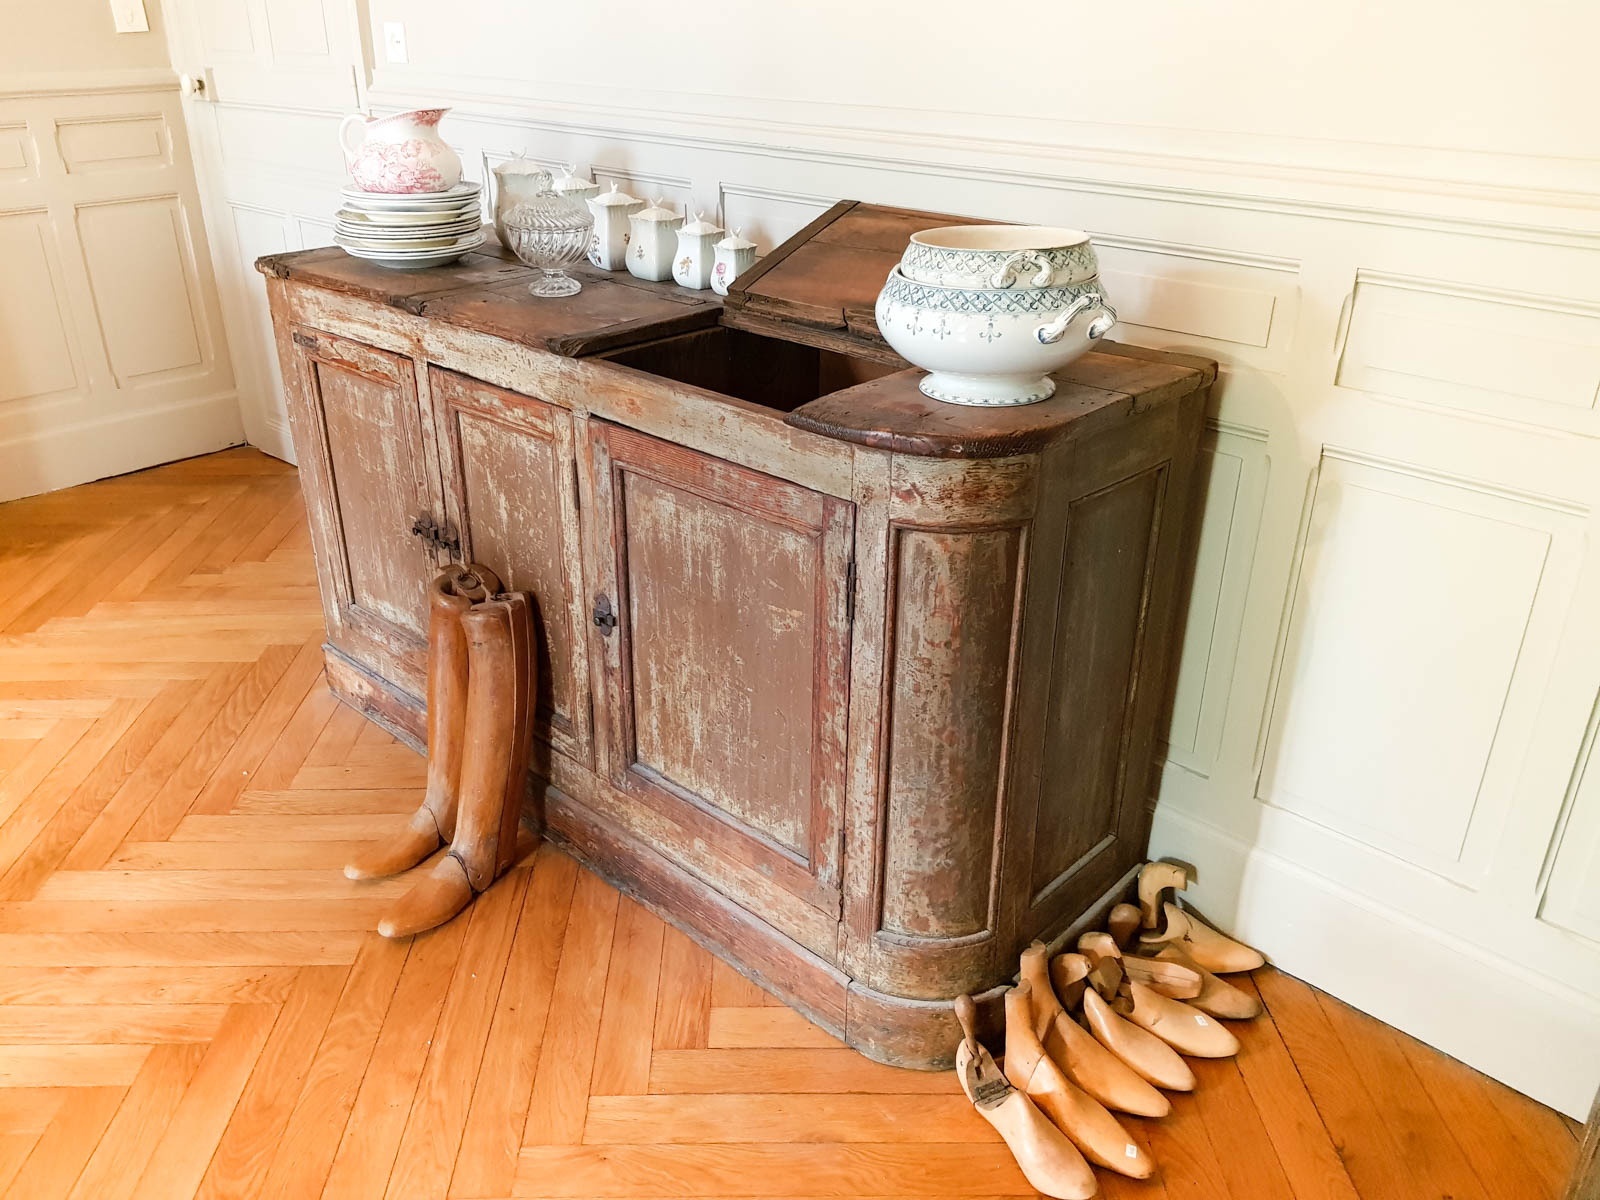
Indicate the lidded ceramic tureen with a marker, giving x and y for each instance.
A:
(989, 311)
(651, 243)
(608, 244)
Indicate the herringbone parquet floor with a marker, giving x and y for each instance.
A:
(192, 1005)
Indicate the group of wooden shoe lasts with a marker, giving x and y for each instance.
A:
(1102, 1030)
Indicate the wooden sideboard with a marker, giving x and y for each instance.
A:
(860, 690)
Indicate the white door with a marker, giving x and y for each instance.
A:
(112, 350)
(278, 77)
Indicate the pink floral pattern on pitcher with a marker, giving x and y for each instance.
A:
(398, 167)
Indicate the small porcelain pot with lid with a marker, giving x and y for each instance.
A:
(579, 187)
(399, 154)
(999, 257)
(697, 251)
(608, 244)
(651, 243)
(735, 256)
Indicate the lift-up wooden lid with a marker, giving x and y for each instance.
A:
(822, 284)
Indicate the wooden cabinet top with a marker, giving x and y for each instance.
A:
(817, 289)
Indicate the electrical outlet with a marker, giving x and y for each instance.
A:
(129, 16)
(394, 41)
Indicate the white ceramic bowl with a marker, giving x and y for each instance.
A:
(990, 347)
(999, 256)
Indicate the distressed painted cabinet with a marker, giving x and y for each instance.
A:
(860, 690)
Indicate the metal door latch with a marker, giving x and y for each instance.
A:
(604, 619)
(437, 536)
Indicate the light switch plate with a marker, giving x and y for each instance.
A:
(394, 41)
(129, 16)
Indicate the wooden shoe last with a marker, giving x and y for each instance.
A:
(1090, 1065)
(1185, 1029)
(1073, 1111)
(1216, 996)
(1049, 1162)
(1140, 1049)
(1163, 921)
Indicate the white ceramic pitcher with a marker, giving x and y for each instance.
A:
(400, 153)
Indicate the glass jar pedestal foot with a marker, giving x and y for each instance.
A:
(554, 282)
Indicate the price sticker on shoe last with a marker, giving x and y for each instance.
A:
(1132, 1151)
(1199, 1020)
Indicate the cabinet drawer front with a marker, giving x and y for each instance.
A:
(731, 655)
(366, 484)
(507, 462)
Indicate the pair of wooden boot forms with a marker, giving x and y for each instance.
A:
(480, 712)
(1100, 1031)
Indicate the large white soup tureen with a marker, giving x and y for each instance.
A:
(991, 310)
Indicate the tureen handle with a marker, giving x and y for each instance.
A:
(1006, 274)
(1054, 331)
(344, 139)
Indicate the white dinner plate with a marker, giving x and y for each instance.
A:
(400, 220)
(369, 234)
(409, 201)
(413, 261)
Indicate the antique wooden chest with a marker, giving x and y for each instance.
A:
(861, 690)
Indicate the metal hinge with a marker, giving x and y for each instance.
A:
(304, 339)
(577, 492)
(850, 592)
(604, 619)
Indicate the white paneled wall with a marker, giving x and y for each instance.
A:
(1387, 700)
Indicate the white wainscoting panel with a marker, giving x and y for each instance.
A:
(1415, 601)
(1533, 359)
(114, 143)
(37, 361)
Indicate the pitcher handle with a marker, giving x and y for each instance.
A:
(344, 140)
(1006, 274)
(1053, 331)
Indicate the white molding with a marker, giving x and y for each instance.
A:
(1571, 508)
(1065, 154)
(86, 83)
(1531, 1031)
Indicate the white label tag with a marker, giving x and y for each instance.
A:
(1132, 1151)
(1199, 1020)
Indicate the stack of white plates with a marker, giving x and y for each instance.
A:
(409, 229)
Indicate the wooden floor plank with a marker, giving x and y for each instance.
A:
(487, 1162)
(62, 1150)
(124, 1151)
(627, 1018)
(366, 1154)
(77, 1065)
(768, 1117)
(427, 1153)
(145, 985)
(245, 1148)
(683, 1000)
(731, 1028)
(108, 1024)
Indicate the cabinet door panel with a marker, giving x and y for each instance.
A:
(507, 463)
(367, 483)
(730, 657)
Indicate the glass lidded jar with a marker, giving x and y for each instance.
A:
(551, 232)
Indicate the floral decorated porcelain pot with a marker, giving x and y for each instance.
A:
(652, 242)
(999, 256)
(991, 347)
(736, 254)
(402, 153)
(608, 244)
(697, 252)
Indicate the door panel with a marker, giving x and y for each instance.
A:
(509, 488)
(730, 657)
(365, 489)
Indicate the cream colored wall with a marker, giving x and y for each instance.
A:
(76, 35)
(1381, 219)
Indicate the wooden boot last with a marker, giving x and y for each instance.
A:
(450, 595)
(1185, 1029)
(1164, 921)
(494, 766)
(1077, 984)
(1077, 1114)
(1074, 1049)
(1050, 1163)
